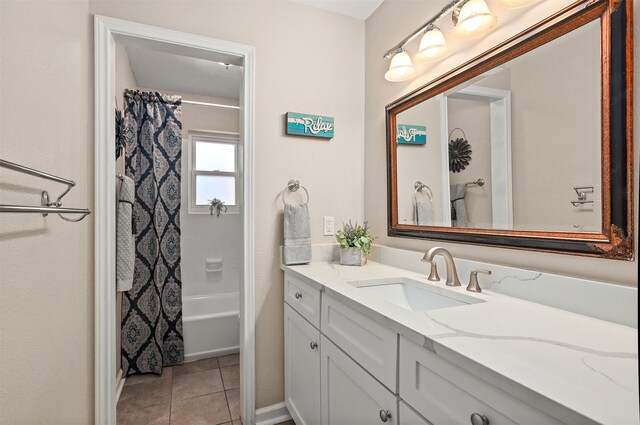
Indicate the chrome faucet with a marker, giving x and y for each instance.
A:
(452, 274)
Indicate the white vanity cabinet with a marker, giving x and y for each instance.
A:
(302, 368)
(342, 367)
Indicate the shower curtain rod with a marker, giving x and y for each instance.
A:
(213, 105)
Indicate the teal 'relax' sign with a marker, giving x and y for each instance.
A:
(309, 125)
(411, 134)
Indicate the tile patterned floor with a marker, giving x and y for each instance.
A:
(205, 392)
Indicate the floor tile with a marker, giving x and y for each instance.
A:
(233, 399)
(167, 374)
(204, 410)
(196, 384)
(195, 367)
(229, 360)
(230, 377)
(139, 396)
(152, 415)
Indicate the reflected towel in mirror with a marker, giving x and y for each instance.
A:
(424, 213)
(458, 205)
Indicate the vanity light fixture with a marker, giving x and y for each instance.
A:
(514, 4)
(433, 46)
(473, 19)
(401, 67)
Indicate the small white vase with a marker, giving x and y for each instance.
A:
(351, 257)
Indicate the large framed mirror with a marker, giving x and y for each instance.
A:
(529, 145)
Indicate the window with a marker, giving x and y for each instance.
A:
(214, 173)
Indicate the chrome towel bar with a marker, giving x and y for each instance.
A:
(46, 206)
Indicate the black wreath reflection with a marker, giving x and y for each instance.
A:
(459, 152)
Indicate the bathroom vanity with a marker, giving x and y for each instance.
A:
(381, 343)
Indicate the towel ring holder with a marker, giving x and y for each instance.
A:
(292, 186)
(418, 188)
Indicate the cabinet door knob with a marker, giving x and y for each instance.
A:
(478, 419)
(298, 295)
(385, 415)
(313, 345)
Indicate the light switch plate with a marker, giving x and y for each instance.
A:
(328, 226)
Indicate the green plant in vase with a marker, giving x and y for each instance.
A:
(217, 206)
(355, 243)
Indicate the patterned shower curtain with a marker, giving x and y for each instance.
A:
(152, 309)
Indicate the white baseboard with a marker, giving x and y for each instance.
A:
(208, 354)
(120, 384)
(272, 415)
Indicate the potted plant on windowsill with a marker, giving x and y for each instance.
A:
(217, 206)
(355, 244)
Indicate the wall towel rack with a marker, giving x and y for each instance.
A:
(479, 182)
(46, 206)
(292, 186)
(418, 187)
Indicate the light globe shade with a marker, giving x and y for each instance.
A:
(475, 19)
(401, 68)
(433, 46)
(514, 4)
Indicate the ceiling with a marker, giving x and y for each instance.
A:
(178, 68)
(359, 9)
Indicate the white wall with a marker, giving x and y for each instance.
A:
(383, 31)
(46, 264)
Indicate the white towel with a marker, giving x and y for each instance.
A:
(424, 213)
(125, 239)
(297, 235)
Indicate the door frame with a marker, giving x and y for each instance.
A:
(105, 28)
(501, 176)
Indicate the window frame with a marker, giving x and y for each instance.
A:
(193, 173)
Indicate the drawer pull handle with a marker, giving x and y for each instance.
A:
(313, 345)
(478, 419)
(298, 295)
(385, 415)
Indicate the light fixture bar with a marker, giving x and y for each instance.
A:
(446, 9)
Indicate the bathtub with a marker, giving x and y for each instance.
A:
(211, 325)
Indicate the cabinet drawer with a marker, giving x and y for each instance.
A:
(369, 343)
(445, 394)
(304, 298)
(350, 396)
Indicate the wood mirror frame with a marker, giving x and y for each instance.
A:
(616, 239)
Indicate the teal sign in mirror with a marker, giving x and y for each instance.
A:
(411, 134)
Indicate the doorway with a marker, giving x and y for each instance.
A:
(149, 44)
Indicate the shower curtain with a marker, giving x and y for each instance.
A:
(152, 309)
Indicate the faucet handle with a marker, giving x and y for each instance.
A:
(473, 280)
(433, 273)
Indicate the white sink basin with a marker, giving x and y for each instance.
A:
(413, 295)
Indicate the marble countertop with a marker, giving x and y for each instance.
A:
(576, 368)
